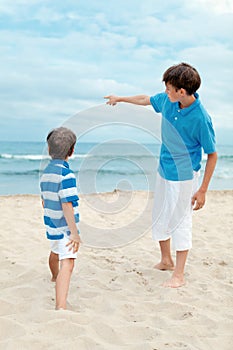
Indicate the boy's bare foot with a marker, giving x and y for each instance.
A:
(174, 282)
(53, 279)
(163, 267)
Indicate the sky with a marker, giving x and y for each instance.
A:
(59, 58)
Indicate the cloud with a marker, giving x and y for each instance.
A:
(214, 63)
(59, 58)
(215, 6)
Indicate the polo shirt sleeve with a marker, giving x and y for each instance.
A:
(68, 190)
(207, 136)
(158, 101)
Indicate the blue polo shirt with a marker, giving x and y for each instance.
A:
(185, 132)
(58, 185)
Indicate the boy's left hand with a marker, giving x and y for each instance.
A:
(198, 200)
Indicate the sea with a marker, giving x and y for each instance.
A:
(98, 167)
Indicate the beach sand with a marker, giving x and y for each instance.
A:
(116, 296)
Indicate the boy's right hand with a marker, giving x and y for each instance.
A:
(112, 100)
(74, 242)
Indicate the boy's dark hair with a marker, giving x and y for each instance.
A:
(61, 143)
(183, 76)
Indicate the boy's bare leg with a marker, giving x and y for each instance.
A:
(63, 283)
(177, 279)
(166, 262)
(54, 265)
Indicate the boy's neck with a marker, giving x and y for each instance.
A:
(186, 101)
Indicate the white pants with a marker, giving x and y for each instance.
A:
(172, 212)
(59, 247)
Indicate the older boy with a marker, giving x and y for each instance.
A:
(60, 202)
(186, 130)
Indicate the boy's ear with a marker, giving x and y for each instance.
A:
(71, 151)
(183, 92)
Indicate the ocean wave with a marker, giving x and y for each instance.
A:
(224, 174)
(20, 173)
(33, 157)
(87, 172)
(228, 157)
(24, 156)
(111, 172)
(106, 157)
(99, 156)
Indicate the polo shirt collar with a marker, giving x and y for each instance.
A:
(186, 110)
(60, 161)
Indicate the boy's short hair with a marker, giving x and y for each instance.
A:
(61, 143)
(183, 76)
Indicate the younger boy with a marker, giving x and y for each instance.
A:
(186, 130)
(60, 202)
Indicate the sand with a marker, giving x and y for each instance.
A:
(116, 296)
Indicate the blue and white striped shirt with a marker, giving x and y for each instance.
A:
(58, 185)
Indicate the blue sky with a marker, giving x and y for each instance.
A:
(59, 58)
